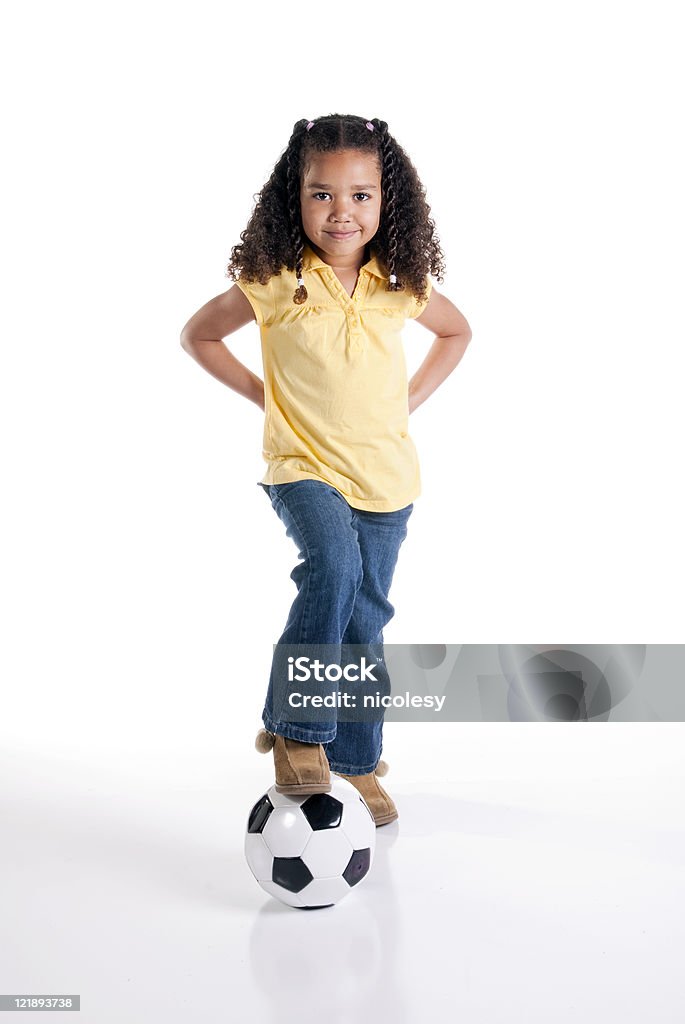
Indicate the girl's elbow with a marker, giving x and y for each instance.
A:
(187, 343)
(464, 332)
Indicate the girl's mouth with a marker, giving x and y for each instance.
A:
(341, 235)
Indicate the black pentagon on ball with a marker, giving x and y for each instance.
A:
(259, 815)
(291, 872)
(322, 811)
(358, 865)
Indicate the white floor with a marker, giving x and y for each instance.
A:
(538, 877)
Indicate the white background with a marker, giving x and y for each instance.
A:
(145, 575)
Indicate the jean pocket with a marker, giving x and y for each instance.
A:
(280, 490)
(276, 493)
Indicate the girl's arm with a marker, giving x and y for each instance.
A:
(453, 335)
(202, 339)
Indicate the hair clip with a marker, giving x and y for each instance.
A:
(369, 126)
(310, 125)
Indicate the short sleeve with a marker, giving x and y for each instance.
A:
(417, 306)
(261, 298)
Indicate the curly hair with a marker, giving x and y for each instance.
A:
(405, 244)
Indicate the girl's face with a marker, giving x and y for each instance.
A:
(340, 199)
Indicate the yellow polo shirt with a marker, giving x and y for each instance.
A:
(335, 384)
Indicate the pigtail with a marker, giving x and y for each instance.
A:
(389, 170)
(300, 294)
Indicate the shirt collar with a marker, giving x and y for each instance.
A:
(310, 261)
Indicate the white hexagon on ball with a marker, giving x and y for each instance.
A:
(356, 817)
(258, 857)
(324, 892)
(327, 854)
(286, 833)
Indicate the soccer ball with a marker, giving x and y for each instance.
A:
(308, 851)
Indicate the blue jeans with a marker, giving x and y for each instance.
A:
(348, 559)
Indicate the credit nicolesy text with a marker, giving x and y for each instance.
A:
(331, 672)
(374, 700)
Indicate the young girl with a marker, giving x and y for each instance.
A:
(335, 257)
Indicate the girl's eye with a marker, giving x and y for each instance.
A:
(317, 194)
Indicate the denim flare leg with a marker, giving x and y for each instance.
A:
(347, 561)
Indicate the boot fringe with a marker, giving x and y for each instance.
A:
(264, 741)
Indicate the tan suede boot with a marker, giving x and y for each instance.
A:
(379, 803)
(301, 768)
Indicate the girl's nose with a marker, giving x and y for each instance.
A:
(340, 211)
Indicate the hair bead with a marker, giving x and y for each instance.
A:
(369, 126)
(300, 295)
(310, 125)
